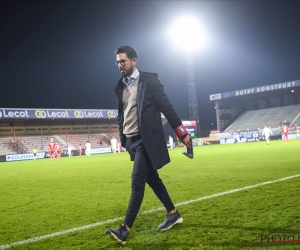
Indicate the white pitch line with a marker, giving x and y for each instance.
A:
(38, 238)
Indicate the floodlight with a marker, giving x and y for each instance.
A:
(187, 33)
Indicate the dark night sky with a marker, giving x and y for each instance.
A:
(60, 54)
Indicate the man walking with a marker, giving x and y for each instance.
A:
(171, 141)
(79, 150)
(88, 148)
(141, 100)
(113, 144)
(267, 133)
(34, 151)
(51, 149)
(285, 132)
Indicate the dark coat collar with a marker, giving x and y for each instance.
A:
(143, 77)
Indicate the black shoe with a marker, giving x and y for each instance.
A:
(120, 234)
(171, 220)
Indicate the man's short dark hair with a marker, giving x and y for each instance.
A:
(129, 51)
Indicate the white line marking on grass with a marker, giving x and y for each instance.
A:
(38, 238)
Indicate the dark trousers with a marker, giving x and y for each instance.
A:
(143, 173)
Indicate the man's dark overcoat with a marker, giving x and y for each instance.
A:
(151, 102)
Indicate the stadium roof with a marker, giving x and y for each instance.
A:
(255, 90)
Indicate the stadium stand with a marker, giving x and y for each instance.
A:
(94, 139)
(22, 130)
(26, 143)
(272, 117)
(297, 121)
(30, 142)
(256, 106)
(6, 146)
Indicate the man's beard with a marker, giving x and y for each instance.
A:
(128, 72)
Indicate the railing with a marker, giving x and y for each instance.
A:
(21, 148)
(18, 146)
(12, 144)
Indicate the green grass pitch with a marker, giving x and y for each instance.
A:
(41, 198)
